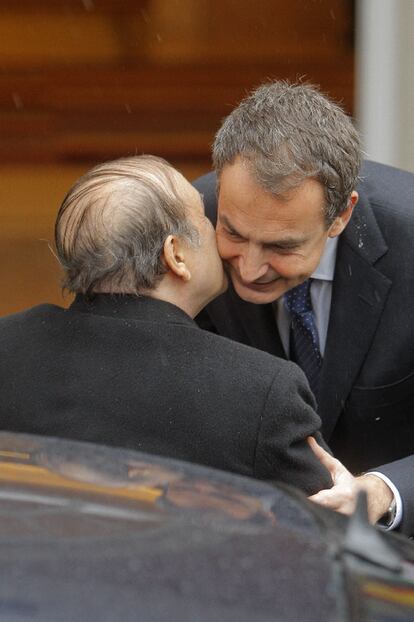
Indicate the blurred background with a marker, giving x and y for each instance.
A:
(82, 81)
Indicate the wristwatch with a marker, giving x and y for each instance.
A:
(389, 517)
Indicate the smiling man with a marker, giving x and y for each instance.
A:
(270, 243)
(321, 273)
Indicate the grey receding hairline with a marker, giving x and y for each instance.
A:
(139, 198)
(291, 132)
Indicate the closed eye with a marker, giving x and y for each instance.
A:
(233, 234)
(225, 226)
(282, 248)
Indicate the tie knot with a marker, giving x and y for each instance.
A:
(298, 299)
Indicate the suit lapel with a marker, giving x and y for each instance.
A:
(358, 297)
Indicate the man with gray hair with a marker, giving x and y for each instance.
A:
(321, 271)
(126, 364)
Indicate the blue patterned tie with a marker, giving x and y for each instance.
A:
(304, 340)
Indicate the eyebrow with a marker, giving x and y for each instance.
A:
(284, 244)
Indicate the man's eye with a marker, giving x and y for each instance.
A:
(283, 250)
(232, 234)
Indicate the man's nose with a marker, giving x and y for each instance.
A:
(252, 265)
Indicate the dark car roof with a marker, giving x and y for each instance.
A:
(95, 533)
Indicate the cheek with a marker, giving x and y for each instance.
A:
(299, 265)
(291, 267)
(226, 248)
(285, 266)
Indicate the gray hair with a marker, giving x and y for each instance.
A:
(112, 225)
(288, 133)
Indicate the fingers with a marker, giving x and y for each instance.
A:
(339, 498)
(342, 497)
(323, 499)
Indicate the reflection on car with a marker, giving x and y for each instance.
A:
(96, 533)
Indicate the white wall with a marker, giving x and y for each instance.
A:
(385, 80)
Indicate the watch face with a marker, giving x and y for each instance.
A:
(389, 516)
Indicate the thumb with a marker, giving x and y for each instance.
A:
(328, 461)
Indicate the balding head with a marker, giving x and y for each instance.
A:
(112, 225)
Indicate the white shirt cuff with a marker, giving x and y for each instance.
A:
(398, 501)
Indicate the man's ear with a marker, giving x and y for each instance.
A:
(343, 219)
(175, 257)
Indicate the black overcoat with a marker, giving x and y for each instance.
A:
(139, 373)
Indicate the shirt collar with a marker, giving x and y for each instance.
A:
(326, 267)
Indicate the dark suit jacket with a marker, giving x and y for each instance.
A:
(366, 398)
(139, 373)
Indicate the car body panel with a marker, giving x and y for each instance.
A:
(95, 533)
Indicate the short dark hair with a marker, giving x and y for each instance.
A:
(112, 225)
(288, 133)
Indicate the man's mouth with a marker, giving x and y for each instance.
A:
(254, 285)
(258, 285)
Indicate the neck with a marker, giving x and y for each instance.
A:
(176, 295)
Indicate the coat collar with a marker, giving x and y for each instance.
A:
(131, 307)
